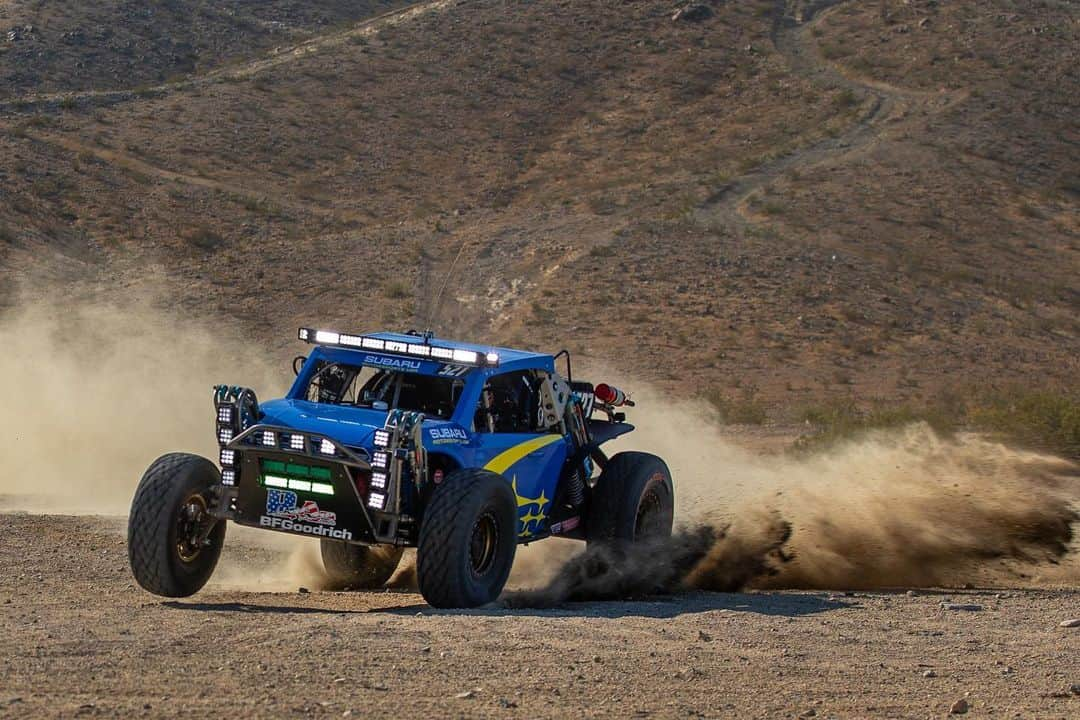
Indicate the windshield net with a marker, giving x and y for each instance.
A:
(367, 387)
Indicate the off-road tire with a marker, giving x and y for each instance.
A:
(467, 505)
(153, 548)
(634, 500)
(358, 567)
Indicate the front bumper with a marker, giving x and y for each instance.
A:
(283, 484)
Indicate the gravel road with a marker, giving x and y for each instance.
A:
(78, 639)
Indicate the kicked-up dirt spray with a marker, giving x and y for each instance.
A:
(892, 509)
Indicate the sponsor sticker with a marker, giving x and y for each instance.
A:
(565, 526)
(396, 363)
(280, 523)
(282, 504)
(444, 435)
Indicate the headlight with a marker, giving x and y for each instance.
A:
(376, 501)
(228, 458)
(382, 438)
(228, 477)
(378, 480)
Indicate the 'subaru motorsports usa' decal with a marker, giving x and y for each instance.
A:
(282, 513)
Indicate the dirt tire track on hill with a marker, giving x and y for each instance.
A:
(243, 71)
(136, 165)
(880, 104)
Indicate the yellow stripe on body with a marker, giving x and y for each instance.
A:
(504, 460)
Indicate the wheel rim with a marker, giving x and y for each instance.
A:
(189, 526)
(483, 544)
(650, 513)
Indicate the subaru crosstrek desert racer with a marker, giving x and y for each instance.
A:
(388, 441)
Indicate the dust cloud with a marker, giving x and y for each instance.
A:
(95, 392)
(904, 508)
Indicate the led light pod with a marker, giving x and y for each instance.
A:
(296, 442)
(400, 347)
(228, 477)
(376, 501)
(382, 438)
(228, 458)
(378, 480)
(466, 356)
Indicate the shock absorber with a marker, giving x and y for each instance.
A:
(575, 481)
(575, 487)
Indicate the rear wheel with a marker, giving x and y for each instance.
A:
(634, 500)
(468, 540)
(358, 567)
(173, 539)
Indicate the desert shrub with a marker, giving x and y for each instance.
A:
(742, 410)
(843, 419)
(396, 290)
(203, 238)
(1045, 419)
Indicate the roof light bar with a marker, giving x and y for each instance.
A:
(398, 347)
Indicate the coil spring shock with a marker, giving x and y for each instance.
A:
(575, 488)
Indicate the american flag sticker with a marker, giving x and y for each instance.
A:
(283, 504)
(280, 502)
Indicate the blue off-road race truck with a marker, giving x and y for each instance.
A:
(396, 440)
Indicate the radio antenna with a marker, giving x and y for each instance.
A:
(446, 281)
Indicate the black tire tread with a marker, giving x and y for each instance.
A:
(618, 493)
(438, 550)
(149, 525)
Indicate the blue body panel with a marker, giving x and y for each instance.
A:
(534, 476)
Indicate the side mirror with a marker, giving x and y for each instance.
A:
(297, 363)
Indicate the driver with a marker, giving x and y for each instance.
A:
(502, 407)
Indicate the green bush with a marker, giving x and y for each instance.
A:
(1046, 420)
(396, 290)
(745, 410)
(1042, 419)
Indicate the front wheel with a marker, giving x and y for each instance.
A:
(467, 540)
(358, 567)
(634, 500)
(173, 539)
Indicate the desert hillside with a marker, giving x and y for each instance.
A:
(774, 202)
